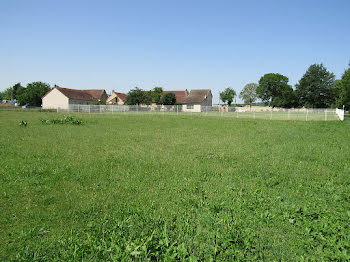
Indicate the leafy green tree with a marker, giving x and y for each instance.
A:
(134, 97)
(33, 93)
(138, 96)
(317, 87)
(11, 92)
(343, 85)
(248, 94)
(147, 97)
(157, 94)
(228, 95)
(168, 99)
(7, 93)
(274, 90)
(15, 89)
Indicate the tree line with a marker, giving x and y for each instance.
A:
(138, 96)
(31, 94)
(318, 88)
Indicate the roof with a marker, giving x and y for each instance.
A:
(197, 96)
(90, 94)
(179, 95)
(122, 96)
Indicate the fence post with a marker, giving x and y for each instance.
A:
(221, 109)
(307, 113)
(137, 108)
(288, 114)
(325, 115)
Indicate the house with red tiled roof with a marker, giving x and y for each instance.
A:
(59, 97)
(116, 98)
(179, 95)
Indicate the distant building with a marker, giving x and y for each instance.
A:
(59, 97)
(116, 98)
(179, 95)
(197, 99)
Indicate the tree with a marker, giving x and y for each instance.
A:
(343, 85)
(32, 94)
(274, 90)
(157, 94)
(15, 89)
(11, 92)
(134, 97)
(137, 96)
(228, 95)
(317, 87)
(147, 97)
(7, 94)
(168, 99)
(248, 94)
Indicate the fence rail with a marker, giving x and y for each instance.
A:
(325, 114)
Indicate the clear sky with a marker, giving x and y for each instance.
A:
(176, 44)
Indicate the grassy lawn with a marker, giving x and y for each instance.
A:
(167, 187)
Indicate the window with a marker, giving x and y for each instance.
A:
(189, 106)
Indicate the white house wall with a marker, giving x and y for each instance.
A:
(196, 108)
(55, 99)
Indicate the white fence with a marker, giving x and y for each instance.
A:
(237, 112)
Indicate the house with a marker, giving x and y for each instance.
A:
(179, 95)
(197, 99)
(59, 97)
(116, 98)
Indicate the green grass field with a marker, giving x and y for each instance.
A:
(167, 187)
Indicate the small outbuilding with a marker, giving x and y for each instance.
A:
(59, 97)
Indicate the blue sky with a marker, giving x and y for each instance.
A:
(174, 44)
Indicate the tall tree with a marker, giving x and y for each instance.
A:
(248, 94)
(15, 89)
(157, 94)
(317, 87)
(33, 93)
(274, 90)
(228, 95)
(168, 98)
(343, 85)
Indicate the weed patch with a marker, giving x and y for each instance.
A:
(65, 120)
